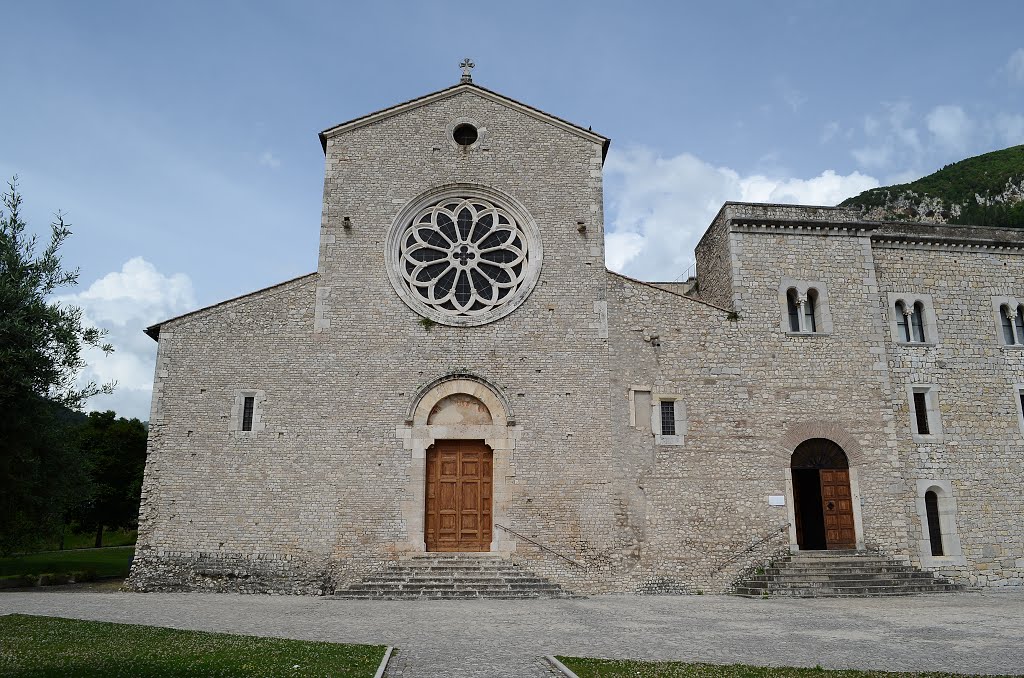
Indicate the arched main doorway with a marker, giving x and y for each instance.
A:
(461, 435)
(822, 501)
(459, 479)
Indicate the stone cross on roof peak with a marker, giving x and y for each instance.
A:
(467, 67)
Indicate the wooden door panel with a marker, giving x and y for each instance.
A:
(458, 496)
(470, 496)
(837, 507)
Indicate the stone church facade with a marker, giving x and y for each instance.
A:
(462, 374)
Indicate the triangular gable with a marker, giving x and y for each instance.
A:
(153, 331)
(453, 91)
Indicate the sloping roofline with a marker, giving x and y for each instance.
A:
(390, 111)
(154, 330)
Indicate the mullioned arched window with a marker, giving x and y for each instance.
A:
(806, 309)
(913, 319)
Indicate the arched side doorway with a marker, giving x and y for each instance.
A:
(823, 501)
(461, 437)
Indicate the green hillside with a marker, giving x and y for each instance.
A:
(951, 195)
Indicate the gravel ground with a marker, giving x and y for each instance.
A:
(964, 633)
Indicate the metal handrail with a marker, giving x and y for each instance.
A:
(542, 546)
(750, 547)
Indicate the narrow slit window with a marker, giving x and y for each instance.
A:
(921, 412)
(810, 306)
(931, 505)
(1004, 315)
(901, 321)
(1018, 322)
(668, 417)
(917, 320)
(247, 408)
(794, 311)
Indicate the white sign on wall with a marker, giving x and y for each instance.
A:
(776, 500)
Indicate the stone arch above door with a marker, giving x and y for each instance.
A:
(800, 432)
(458, 407)
(458, 383)
(831, 434)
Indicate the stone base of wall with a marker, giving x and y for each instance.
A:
(229, 573)
(287, 575)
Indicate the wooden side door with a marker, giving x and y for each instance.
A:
(458, 496)
(837, 507)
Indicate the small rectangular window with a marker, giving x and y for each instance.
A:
(921, 412)
(668, 417)
(247, 407)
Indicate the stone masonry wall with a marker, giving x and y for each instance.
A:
(319, 493)
(325, 483)
(752, 392)
(982, 443)
(714, 265)
(220, 508)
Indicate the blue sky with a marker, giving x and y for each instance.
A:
(180, 137)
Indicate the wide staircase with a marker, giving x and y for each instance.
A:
(454, 576)
(837, 574)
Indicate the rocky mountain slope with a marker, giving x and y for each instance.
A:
(987, 190)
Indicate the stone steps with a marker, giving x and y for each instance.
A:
(453, 576)
(838, 574)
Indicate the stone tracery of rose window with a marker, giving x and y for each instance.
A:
(464, 256)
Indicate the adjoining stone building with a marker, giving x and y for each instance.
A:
(462, 373)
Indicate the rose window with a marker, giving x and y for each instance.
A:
(463, 256)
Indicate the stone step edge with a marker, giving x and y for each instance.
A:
(846, 576)
(845, 589)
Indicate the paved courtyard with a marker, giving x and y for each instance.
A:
(966, 633)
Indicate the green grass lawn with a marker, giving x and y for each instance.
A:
(105, 562)
(48, 646)
(86, 540)
(614, 668)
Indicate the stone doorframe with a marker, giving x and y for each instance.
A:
(798, 433)
(417, 436)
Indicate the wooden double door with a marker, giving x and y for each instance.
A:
(824, 509)
(458, 496)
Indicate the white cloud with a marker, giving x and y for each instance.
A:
(872, 156)
(620, 248)
(951, 127)
(1015, 67)
(1010, 128)
(268, 159)
(828, 188)
(892, 138)
(659, 207)
(125, 302)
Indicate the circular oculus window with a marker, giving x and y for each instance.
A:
(465, 134)
(463, 259)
